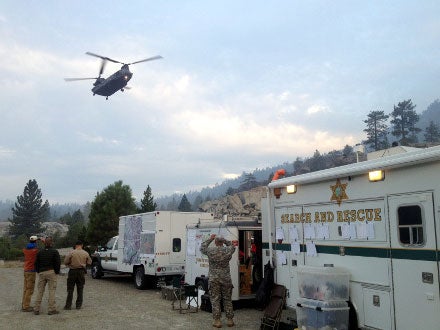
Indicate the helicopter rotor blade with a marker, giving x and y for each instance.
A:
(147, 59)
(103, 57)
(75, 79)
(101, 70)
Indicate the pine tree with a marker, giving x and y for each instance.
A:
(108, 206)
(29, 211)
(185, 205)
(404, 122)
(376, 130)
(147, 202)
(432, 132)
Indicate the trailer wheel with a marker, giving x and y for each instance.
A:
(140, 280)
(96, 270)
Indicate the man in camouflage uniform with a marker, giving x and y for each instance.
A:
(220, 283)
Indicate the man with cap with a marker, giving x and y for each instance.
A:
(30, 254)
(220, 283)
(48, 265)
(77, 260)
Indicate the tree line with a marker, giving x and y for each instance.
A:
(402, 125)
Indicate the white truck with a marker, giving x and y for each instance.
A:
(150, 246)
(246, 269)
(378, 220)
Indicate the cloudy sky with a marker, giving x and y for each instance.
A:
(243, 85)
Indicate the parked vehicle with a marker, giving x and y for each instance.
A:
(150, 246)
(378, 220)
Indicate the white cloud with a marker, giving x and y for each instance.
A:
(314, 109)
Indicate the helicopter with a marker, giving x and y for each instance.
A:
(117, 81)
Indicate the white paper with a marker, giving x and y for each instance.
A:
(311, 249)
(361, 229)
(295, 247)
(191, 243)
(293, 233)
(352, 226)
(370, 230)
(345, 231)
(281, 258)
(309, 231)
(323, 231)
(279, 233)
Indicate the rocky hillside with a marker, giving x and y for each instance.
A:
(246, 203)
(49, 228)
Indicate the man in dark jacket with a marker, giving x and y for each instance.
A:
(48, 265)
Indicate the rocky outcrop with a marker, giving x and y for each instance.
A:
(245, 203)
(49, 228)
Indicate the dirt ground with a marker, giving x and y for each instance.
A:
(109, 303)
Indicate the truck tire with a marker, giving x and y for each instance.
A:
(96, 270)
(140, 279)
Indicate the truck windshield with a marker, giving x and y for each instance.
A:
(110, 243)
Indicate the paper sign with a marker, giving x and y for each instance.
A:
(295, 247)
(370, 230)
(281, 258)
(309, 231)
(279, 233)
(323, 231)
(293, 233)
(311, 249)
(361, 229)
(352, 226)
(191, 244)
(345, 231)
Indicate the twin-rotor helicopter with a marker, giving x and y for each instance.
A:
(117, 81)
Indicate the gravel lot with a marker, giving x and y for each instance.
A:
(109, 303)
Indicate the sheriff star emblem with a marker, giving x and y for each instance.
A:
(338, 192)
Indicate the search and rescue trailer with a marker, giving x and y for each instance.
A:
(150, 246)
(378, 220)
(246, 270)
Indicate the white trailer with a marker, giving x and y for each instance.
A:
(384, 231)
(150, 246)
(245, 264)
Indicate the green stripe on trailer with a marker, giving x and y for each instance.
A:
(410, 254)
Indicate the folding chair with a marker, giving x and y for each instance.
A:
(272, 313)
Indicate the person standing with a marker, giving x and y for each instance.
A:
(30, 255)
(77, 260)
(220, 283)
(47, 265)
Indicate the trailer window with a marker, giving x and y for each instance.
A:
(177, 245)
(410, 225)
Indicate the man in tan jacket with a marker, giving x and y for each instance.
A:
(77, 260)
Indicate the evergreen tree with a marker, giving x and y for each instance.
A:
(114, 201)
(317, 162)
(249, 182)
(197, 202)
(432, 132)
(376, 130)
(404, 120)
(185, 205)
(29, 211)
(147, 202)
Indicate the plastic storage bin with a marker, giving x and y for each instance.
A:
(323, 283)
(322, 315)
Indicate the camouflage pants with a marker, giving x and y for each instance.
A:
(217, 290)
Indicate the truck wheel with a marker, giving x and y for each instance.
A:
(96, 270)
(140, 280)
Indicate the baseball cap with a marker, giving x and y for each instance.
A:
(33, 238)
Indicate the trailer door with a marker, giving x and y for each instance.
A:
(414, 261)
